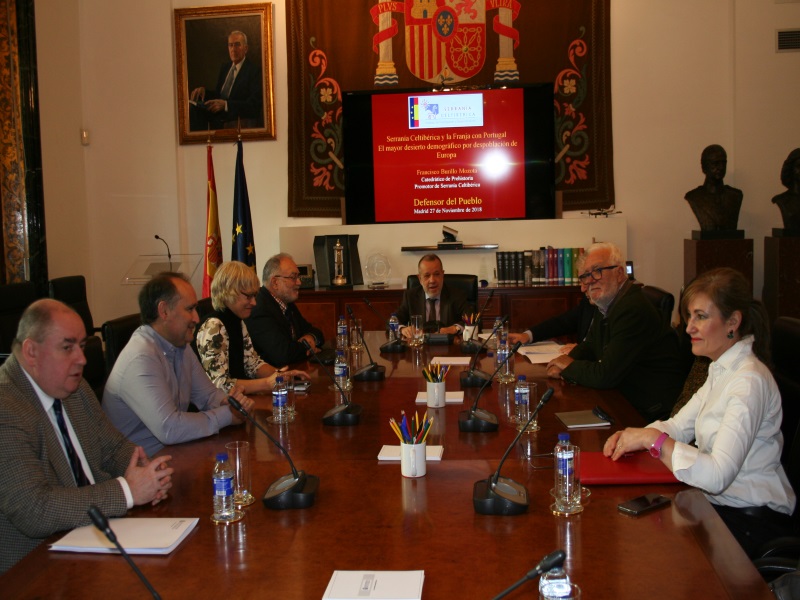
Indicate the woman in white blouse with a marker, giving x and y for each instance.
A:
(223, 342)
(727, 440)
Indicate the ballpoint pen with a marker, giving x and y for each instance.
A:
(601, 414)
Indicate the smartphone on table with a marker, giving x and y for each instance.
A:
(643, 504)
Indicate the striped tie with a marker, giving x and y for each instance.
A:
(74, 460)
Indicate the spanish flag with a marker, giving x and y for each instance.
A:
(213, 255)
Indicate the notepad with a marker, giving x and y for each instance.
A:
(635, 468)
(393, 453)
(451, 360)
(581, 419)
(456, 397)
(377, 585)
(137, 536)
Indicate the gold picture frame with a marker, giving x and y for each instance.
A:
(202, 61)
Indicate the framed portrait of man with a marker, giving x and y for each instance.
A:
(223, 58)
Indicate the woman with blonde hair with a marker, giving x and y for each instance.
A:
(223, 342)
(734, 418)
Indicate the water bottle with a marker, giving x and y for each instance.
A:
(394, 328)
(498, 330)
(224, 508)
(555, 583)
(506, 372)
(340, 370)
(280, 397)
(341, 333)
(567, 487)
(522, 396)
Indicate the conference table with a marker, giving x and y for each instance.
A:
(366, 516)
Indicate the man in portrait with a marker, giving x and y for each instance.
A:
(237, 99)
(715, 204)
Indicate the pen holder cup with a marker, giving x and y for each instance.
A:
(470, 333)
(412, 460)
(435, 394)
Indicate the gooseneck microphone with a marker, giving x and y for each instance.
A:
(472, 377)
(468, 346)
(549, 562)
(479, 419)
(295, 490)
(501, 495)
(100, 521)
(372, 371)
(394, 346)
(169, 254)
(347, 413)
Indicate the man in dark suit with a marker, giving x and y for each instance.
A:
(58, 452)
(276, 326)
(239, 93)
(442, 307)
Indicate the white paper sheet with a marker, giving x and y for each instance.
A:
(137, 536)
(449, 397)
(393, 453)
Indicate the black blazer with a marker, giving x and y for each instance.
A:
(271, 331)
(452, 305)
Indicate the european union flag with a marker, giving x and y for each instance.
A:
(244, 247)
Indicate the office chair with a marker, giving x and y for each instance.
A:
(116, 334)
(784, 345)
(14, 299)
(71, 290)
(468, 284)
(662, 300)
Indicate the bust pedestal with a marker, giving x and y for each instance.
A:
(781, 276)
(701, 255)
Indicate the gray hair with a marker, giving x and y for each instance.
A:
(273, 266)
(36, 320)
(241, 33)
(615, 256)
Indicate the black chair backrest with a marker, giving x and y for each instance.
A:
(14, 299)
(468, 284)
(72, 290)
(662, 300)
(116, 334)
(785, 341)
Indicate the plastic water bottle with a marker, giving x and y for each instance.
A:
(340, 370)
(567, 492)
(506, 372)
(341, 333)
(224, 508)
(280, 397)
(394, 328)
(498, 331)
(555, 584)
(522, 397)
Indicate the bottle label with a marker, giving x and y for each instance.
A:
(279, 398)
(341, 330)
(223, 486)
(521, 396)
(340, 370)
(565, 462)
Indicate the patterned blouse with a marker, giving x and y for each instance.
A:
(212, 346)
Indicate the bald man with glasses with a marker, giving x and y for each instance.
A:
(276, 326)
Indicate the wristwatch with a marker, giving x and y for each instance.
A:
(655, 449)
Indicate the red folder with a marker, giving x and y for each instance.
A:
(635, 468)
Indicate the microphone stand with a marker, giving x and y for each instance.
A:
(372, 371)
(468, 346)
(549, 562)
(394, 346)
(473, 377)
(169, 254)
(295, 490)
(479, 419)
(101, 522)
(344, 415)
(500, 495)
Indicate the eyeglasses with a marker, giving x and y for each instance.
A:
(249, 296)
(292, 277)
(595, 274)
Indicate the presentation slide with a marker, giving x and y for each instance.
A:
(455, 156)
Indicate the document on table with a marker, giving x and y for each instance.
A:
(449, 397)
(380, 585)
(541, 352)
(393, 453)
(137, 536)
(451, 360)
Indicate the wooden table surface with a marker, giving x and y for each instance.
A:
(367, 516)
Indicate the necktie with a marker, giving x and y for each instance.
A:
(226, 87)
(289, 318)
(74, 460)
(431, 309)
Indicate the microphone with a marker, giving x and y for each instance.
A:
(169, 254)
(481, 420)
(346, 414)
(549, 562)
(473, 377)
(296, 490)
(468, 346)
(100, 521)
(372, 371)
(501, 495)
(394, 346)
